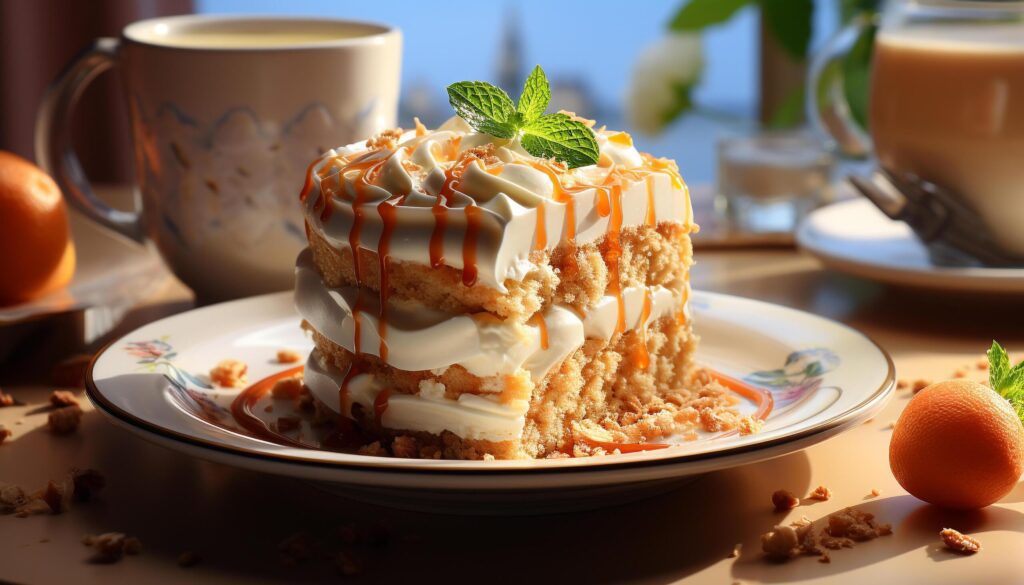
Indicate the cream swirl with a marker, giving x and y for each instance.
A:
(522, 203)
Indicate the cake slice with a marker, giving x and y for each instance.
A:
(469, 299)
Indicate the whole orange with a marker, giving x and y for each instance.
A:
(36, 253)
(958, 444)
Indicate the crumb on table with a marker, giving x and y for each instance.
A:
(784, 500)
(875, 492)
(64, 421)
(288, 356)
(4, 434)
(229, 373)
(958, 542)
(112, 546)
(6, 399)
(62, 398)
(820, 493)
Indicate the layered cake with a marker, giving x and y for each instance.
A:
(470, 300)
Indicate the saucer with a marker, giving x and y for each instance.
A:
(824, 378)
(856, 238)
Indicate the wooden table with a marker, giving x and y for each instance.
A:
(235, 519)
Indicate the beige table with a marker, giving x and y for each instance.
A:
(235, 519)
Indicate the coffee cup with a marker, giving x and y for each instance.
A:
(226, 115)
(945, 108)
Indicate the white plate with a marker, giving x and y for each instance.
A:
(855, 237)
(824, 378)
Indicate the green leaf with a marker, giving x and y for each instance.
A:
(485, 107)
(536, 96)
(700, 14)
(856, 73)
(682, 104)
(790, 22)
(790, 112)
(559, 136)
(998, 365)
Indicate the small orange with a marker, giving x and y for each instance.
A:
(958, 444)
(36, 253)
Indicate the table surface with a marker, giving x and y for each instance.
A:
(235, 519)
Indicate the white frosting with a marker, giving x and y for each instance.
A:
(470, 417)
(509, 201)
(419, 338)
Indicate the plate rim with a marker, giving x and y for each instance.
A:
(879, 394)
(952, 278)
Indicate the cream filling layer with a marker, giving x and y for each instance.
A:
(469, 417)
(419, 338)
(516, 206)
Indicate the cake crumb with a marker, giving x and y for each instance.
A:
(288, 356)
(57, 495)
(347, 564)
(855, 525)
(87, 483)
(62, 398)
(4, 434)
(374, 449)
(188, 559)
(7, 400)
(385, 139)
(875, 492)
(960, 373)
(749, 425)
(295, 548)
(820, 493)
(825, 558)
(229, 373)
(736, 550)
(780, 543)
(982, 363)
(290, 387)
(784, 500)
(958, 542)
(112, 546)
(902, 384)
(920, 384)
(12, 497)
(405, 446)
(64, 421)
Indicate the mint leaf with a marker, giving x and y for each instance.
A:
(998, 365)
(699, 14)
(1007, 381)
(485, 107)
(559, 136)
(536, 96)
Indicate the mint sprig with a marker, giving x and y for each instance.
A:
(488, 109)
(1006, 380)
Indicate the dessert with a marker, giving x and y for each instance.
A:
(499, 303)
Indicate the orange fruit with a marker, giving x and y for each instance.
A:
(36, 253)
(958, 444)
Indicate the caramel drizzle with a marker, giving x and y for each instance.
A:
(615, 253)
(388, 215)
(538, 321)
(307, 185)
(474, 216)
(369, 170)
(242, 406)
(561, 195)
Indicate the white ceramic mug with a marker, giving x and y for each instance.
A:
(226, 115)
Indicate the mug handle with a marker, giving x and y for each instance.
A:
(826, 106)
(54, 150)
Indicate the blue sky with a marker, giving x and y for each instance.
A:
(598, 40)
